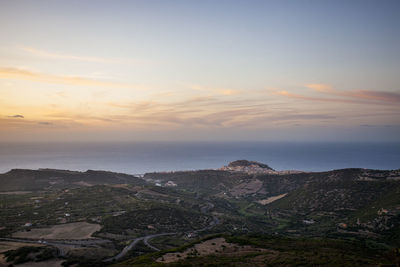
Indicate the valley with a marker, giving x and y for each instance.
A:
(253, 213)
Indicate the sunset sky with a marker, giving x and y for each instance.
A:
(199, 70)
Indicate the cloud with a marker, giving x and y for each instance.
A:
(320, 87)
(20, 74)
(214, 90)
(52, 55)
(319, 99)
(195, 113)
(375, 126)
(352, 96)
(214, 112)
(369, 95)
(10, 122)
(78, 117)
(16, 116)
(383, 96)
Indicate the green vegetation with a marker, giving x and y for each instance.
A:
(47, 179)
(25, 254)
(156, 218)
(345, 217)
(280, 251)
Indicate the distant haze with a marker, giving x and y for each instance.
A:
(138, 158)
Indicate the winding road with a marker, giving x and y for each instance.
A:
(62, 244)
(133, 244)
(146, 238)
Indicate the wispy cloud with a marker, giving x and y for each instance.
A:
(45, 123)
(197, 113)
(320, 87)
(78, 117)
(62, 56)
(17, 116)
(383, 96)
(252, 110)
(213, 112)
(319, 99)
(21, 74)
(339, 96)
(214, 90)
(377, 96)
(32, 124)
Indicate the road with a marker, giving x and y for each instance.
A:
(133, 244)
(146, 238)
(61, 245)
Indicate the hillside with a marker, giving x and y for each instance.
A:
(44, 179)
(352, 202)
(265, 217)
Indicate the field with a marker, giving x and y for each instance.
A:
(78, 230)
(266, 250)
(271, 199)
(210, 247)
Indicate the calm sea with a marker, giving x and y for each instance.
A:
(138, 158)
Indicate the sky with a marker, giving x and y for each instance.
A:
(199, 70)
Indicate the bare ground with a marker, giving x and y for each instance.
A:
(271, 199)
(246, 188)
(213, 246)
(78, 230)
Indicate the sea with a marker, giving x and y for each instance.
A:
(143, 157)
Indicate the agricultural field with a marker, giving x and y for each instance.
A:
(77, 230)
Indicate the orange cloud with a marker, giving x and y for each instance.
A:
(214, 90)
(229, 91)
(320, 87)
(19, 74)
(43, 53)
(374, 95)
(357, 94)
(320, 99)
(360, 96)
(52, 55)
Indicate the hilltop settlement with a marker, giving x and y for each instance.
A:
(243, 214)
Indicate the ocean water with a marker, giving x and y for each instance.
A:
(139, 158)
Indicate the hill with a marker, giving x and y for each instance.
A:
(264, 217)
(45, 179)
(348, 202)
